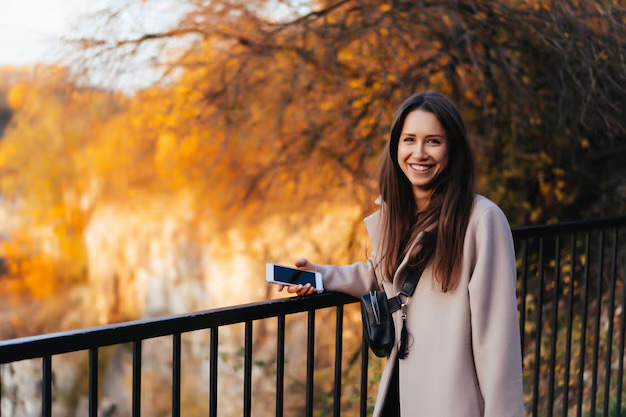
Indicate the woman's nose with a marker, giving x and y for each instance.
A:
(420, 152)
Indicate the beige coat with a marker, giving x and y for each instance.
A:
(465, 359)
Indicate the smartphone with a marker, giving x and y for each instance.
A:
(279, 274)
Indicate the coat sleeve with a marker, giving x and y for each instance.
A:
(355, 279)
(494, 317)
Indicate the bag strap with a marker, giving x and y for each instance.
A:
(395, 304)
(407, 290)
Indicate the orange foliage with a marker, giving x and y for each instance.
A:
(41, 156)
(263, 118)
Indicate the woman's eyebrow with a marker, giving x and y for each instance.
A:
(432, 135)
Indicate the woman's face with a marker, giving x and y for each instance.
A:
(422, 152)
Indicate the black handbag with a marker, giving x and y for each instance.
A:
(378, 325)
(376, 312)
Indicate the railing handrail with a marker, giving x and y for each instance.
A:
(13, 350)
(566, 227)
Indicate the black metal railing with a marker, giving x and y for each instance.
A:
(572, 296)
(572, 326)
(46, 346)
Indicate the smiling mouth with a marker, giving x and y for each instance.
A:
(421, 168)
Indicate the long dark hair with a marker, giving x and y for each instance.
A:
(445, 220)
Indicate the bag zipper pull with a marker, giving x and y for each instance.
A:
(404, 334)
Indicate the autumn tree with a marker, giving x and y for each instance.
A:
(278, 108)
(306, 92)
(42, 175)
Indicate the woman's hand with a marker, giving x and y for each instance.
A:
(300, 290)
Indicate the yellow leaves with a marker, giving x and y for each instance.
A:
(359, 103)
(553, 186)
(327, 105)
(16, 96)
(346, 55)
(440, 81)
(39, 277)
(166, 148)
(602, 56)
(355, 83)
(535, 214)
(188, 148)
(559, 190)
(385, 7)
(8, 152)
(35, 264)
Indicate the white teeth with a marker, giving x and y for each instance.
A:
(420, 167)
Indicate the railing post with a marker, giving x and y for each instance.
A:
(523, 290)
(137, 378)
(338, 356)
(364, 368)
(176, 363)
(570, 317)
(280, 365)
(583, 331)
(596, 339)
(247, 375)
(213, 373)
(609, 346)
(310, 362)
(93, 382)
(622, 337)
(538, 330)
(555, 328)
(46, 387)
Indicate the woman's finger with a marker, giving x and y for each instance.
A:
(300, 290)
(303, 263)
(309, 290)
(293, 289)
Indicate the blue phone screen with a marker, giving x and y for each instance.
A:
(293, 276)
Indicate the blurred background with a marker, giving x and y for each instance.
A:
(155, 154)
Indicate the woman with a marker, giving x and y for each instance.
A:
(464, 355)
